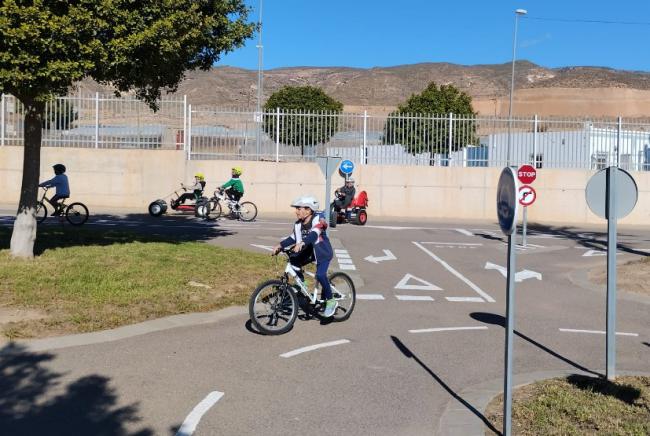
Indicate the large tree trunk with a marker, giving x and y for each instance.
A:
(24, 233)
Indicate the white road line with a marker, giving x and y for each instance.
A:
(313, 347)
(340, 250)
(457, 274)
(447, 329)
(414, 298)
(345, 261)
(192, 420)
(597, 332)
(452, 243)
(343, 256)
(370, 297)
(465, 232)
(350, 267)
(466, 299)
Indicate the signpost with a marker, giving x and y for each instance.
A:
(328, 165)
(612, 194)
(526, 175)
(507, 206)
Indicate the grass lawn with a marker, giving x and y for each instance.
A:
(92, 279)
(578, 405)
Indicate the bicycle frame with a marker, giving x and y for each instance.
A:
(292, 271)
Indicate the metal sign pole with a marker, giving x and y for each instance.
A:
(510, 327)
(611, 273)
(523, 228)
(328, 185)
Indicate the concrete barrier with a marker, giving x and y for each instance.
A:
(133, 178)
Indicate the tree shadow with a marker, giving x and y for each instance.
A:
(646, 344)
(492, 318)
(34, 401)
(626, 393)
(409, 354)
(104, 230)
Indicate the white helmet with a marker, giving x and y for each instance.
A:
(306, 201)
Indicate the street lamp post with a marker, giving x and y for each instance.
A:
(518, 13)
(260, 82)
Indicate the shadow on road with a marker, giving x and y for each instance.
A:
(35, 401)
(646, 344)
(409, 354)
(625, 393)
(492, 318)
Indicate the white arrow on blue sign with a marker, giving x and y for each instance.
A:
(347, 167)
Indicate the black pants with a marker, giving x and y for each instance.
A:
(234, 195)
(54, 201)
(185, 196)
(342, 203)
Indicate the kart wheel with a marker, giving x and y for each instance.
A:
(333, 218)
(157, 208)
(362, 218)
(202, 209)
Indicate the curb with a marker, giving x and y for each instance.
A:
(458, 420)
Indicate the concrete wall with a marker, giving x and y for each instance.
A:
(132, 178)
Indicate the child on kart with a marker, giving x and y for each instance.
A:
(194, 191)
(311, 243)
(60, 181)
(344, 195)
(234, 187)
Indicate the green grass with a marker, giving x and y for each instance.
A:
(578, 405)
(85, 279)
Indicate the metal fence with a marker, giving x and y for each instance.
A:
(102, 121)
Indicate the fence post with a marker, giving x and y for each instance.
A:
(535, 121)
(97, 120)
(2, 120)
(185, 123)
(189, 133)
(451, 137)
(619, 128)
(364, 150)
(277, 134)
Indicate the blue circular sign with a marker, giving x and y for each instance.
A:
(347, 167)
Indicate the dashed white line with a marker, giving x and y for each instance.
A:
(348, 267)
(464, 232)
(370, 297)
(414, 298)
(452, 243)
(346, 261)
(313, 347)
(466, 299)
(597, 332)
(447, 329)
(456, 273)
(343, 255)
(192, 420)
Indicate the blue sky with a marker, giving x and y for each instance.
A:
(364, 33)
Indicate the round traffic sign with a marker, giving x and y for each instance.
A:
(507, 204)
(347, 167)
(526, 174)
(625, 195)
(527, 195)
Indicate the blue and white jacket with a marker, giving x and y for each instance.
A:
(314, 235)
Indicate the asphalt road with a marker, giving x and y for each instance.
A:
(427, 325)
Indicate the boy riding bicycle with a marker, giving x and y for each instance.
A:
(311, 243)
(60, 181)
(234, 187)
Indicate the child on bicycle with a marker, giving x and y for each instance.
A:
(234, 187)
(194, 191)
(311, 243)
(60, 182)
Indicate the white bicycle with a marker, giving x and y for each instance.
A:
(245, 211)
(274, 305)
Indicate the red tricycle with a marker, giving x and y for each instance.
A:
(355, 213)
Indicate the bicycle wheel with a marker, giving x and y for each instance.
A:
(215, 209)
(344, 293)
(273, 308)
(41, 212)
(76, 214)
(247, 211)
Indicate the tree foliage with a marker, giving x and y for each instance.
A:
(421, 124)
(297, 128)
(144, 46)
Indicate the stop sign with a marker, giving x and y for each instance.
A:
(526, 174)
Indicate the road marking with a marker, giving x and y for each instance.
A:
(447, 329)
(453, 243)
(466, 299)
(314, 347)
(448, 267)
(597, 332)
(192, 420)
(342, 261)
(343, 256)
(590, 253)
(348, 267)
(388, 255)
(370, 297)
(424, 286)
(340, 250)
(519, 276)
(414, 298)
(464, 232)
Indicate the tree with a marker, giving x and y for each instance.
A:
(297, 127)
(144, 46)
(422, 123)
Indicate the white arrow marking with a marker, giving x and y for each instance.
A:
(388, 256)
(591, 253)
(314, 347)
(192, 420)
(519, 277)
(263, 247)
(424, 286)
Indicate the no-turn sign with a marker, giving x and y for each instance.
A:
(526, 174)
(527, 195)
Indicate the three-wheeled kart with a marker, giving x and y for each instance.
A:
(200, 207)
(355, 213)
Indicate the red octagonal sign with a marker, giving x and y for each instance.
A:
(526, 174)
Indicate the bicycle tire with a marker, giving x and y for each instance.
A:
(41, 212)
(215, 209)
(280, 300)
(76, 214)
(247, 211)
(338, 281)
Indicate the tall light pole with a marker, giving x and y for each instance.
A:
(518, 13)
(260, 84)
